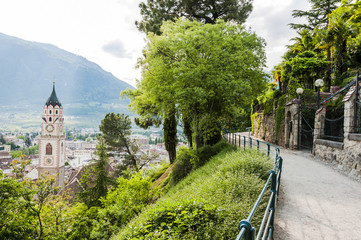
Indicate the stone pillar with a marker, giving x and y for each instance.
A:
(291, 137)
(349, 115)
(319, 124)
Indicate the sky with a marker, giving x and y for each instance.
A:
(104, 31)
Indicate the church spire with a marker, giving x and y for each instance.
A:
(53, 99)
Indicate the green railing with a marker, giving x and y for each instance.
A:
(265, 231)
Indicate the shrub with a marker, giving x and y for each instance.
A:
(188, 159)
(231, 181)
(182, 165)
(280, 114)
(203, 154)
(188, 219)
(157, 170)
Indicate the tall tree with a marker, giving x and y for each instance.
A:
(317, 18)
(202, 71)
(16, 222)
(155, 12)
(95, 180)
(116, 129)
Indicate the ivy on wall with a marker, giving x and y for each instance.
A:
(280, 114)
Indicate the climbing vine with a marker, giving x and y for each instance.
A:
(253, 117)
(280, 114)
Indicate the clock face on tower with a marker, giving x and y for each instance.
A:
(49, 128)
(49, 161)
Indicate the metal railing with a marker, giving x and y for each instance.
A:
(265, 231)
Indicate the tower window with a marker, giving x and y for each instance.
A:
(49, 111)
(56, 112)
(49, 149)
(50, 119)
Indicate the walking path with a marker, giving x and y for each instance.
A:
(316, 202)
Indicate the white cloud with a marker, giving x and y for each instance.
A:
(88, 27)
(116, 48)
(270, 20)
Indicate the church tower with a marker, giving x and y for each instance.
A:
(52, 140)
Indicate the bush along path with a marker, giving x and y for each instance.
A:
(209, 202)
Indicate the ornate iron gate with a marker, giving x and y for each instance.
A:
(307, 126)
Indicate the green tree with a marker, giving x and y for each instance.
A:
(305, 68)
(18, 166)
(155, 12)
(2, 140)
(43, 190)
(127, 200)
(21, 137)
(201, 71)
(13, 146)
(27, 142)
(339, 34)
(16, 222)
(116, 129)
(317, 18)
(96, 181)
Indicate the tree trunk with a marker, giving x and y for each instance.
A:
(170, 134)
(340, 65)
(328, 71)
(187, 131)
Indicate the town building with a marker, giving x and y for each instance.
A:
(52, 140)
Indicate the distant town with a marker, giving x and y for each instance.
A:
(80, 147)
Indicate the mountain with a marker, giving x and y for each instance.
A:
(27, 70)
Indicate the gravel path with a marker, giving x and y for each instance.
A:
(316, 202)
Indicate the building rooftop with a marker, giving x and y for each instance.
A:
(53, 99)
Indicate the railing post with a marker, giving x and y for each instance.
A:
(268, 149)
(280, 162)
(250, 233)
(273, 201)
(239, 141)
(244, 141)
(257, 144)
(250, 142)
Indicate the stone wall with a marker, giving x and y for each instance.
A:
(264, 128)
(345, 156)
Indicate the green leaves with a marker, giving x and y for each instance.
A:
(154, 13)
(188, 219)
(203, 71)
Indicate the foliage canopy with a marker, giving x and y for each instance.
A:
(203, 72)
(154, 13)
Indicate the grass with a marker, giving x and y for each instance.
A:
(223, 192)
